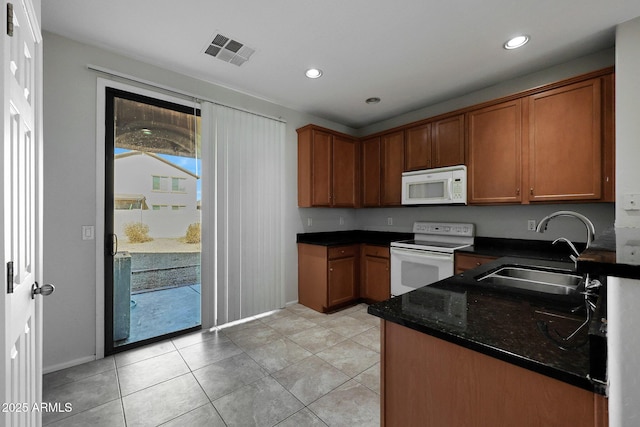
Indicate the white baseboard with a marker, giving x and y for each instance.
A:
(69, 364)
(287, 304)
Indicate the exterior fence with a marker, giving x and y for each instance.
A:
(162, 223)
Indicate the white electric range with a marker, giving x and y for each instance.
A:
(428, 257)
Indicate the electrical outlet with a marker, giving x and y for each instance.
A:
(531, 225)
(631, 202)
(309, 222)
(389, 221)
(341, 221)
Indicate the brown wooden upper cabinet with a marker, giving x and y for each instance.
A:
(392, 157)
(371, 172)
(382, 167)
(552, 145)
(328, 168)
(564, 137)
(494, 153)
(548, 144)
(435, 144)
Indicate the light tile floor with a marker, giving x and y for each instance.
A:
(294, 367)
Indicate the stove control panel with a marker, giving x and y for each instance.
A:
(444, 228)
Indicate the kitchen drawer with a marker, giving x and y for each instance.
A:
(465, 262)
(377, 251)
(342, 251)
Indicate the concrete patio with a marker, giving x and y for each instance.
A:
(159, 312)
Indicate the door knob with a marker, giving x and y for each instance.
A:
(45, 290)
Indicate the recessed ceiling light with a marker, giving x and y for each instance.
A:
(373, 100)
(516, 42)
(313, 73)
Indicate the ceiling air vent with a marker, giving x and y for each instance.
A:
(229, 50)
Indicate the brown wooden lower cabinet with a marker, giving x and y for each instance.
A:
(464, 262)
(331, 277)
(426, 381)
(374, 273)
(327, 276)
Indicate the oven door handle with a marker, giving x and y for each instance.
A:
(422, 253)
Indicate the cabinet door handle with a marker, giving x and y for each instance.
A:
(531, 191)
(331, 269)
(517, 191)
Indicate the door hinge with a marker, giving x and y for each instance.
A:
(10, 19)
(10, 277)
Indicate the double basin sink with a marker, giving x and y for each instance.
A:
(533, 278)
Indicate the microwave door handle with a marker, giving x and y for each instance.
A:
(450, 195)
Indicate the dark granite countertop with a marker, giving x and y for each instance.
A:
(539, 249)
(333, 238)
(489, 246)
(506, 325)
(616, 252)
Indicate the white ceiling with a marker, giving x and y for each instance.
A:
(410, 53)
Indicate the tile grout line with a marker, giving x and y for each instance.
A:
(191, 371)
(124, 414)
(316, 321)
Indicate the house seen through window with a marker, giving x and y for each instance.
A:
(177, 185)
(161, 183)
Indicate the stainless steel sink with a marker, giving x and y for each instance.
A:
(538, 279)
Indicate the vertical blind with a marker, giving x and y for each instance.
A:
(247, 158)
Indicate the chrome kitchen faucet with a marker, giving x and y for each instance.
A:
(591, 231)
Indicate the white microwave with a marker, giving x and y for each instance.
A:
(441, 186)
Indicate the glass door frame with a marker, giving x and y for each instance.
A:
(108, 255)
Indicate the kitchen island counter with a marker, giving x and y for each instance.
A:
(515, 327)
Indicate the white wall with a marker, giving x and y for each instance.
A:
(70, 185)
(550, 74)
(493, 221)
(624, 294)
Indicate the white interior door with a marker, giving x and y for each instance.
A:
(21, 328)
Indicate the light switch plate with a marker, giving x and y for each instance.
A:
(88, 232)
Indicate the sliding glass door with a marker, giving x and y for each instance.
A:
(152, 220)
